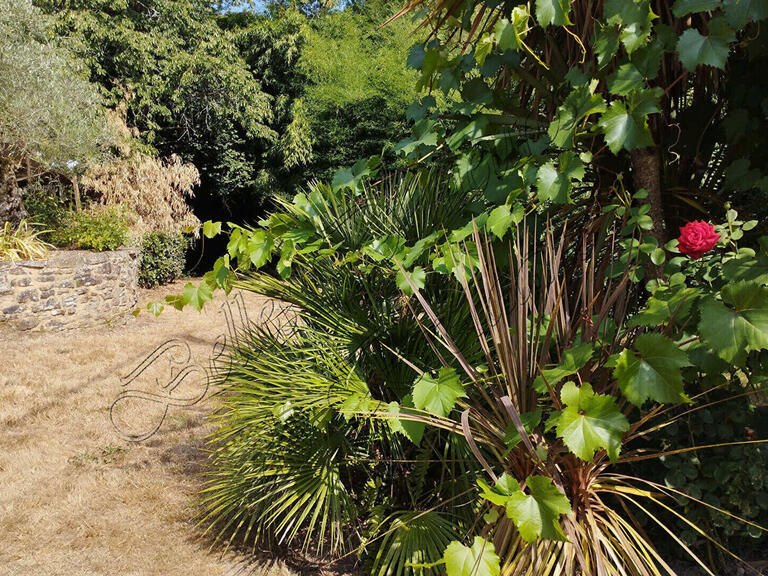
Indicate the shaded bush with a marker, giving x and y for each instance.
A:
(162, 258)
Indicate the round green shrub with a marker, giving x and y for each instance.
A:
(162, 258)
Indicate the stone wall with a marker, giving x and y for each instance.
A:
(70, 289)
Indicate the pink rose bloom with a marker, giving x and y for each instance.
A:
(696, 238)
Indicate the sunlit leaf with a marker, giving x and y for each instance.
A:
(694, 49)
(738, 324)
(590, 422)
(652, 371)
(438, 396)
(480, 560)
(553, 12)
(537, 514)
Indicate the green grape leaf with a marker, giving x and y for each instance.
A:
(537, 514)
(511, 33)
(211, 229)
(175, 300)
(574, 359)
(197, 296)
(738, 324)
(553, 12)
(664, 305)
(502, 218)
(606, 43)
(480, 560)
(260, 246)
(529, 420)
(483, 48)
(652, 371)
(439, 396)
(739, 12)
(625, 125)
(712, 50)
(647, 59)
(411, 429)
(287, 252)
(579, 104)
(625, 79)
(684, 7)
(417, 277)
(746, 267)
(635, 18)
(555, 184)
(500, 492)
(590, 421)
(155, 308)
(221, 276)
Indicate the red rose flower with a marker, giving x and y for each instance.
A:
(696, 238)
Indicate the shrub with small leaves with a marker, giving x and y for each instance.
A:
(162, 258)
(97, 228)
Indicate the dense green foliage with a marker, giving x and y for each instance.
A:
(186, 88)
(95, 228)
(163, 256)
(251, 100)
(567, 349)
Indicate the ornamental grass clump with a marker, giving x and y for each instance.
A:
(22, 242)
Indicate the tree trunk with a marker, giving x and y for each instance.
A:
(76, 188)
(646, 173)
(11, 207)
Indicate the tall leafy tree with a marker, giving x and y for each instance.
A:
(187, 88)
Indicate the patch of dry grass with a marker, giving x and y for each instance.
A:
(76, 499)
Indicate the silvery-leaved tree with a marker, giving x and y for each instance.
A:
(51, 117)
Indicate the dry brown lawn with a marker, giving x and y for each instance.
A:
(76, 498)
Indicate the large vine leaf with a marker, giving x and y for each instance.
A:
(665, 306)
(510, 34)
(501, 491)
(260, 244)
(738, 324)
(590, 421)
(573, 360)
(553, 12)
(739, 12)
(579, 104)
(635, 18)
(555, 184)
(417, 277)
(439, 396)
(537, 514)
(625, 125)
(747, 267)
(625, 80)
(652, 371)
(480, 560)
(712, 50)
(411, 429)
(197, 296)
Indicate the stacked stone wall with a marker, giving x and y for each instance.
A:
(70, 289)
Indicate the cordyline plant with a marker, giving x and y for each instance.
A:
(575, 377)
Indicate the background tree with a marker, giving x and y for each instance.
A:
(51, 117)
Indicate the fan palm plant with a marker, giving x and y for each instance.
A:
(293, 460)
